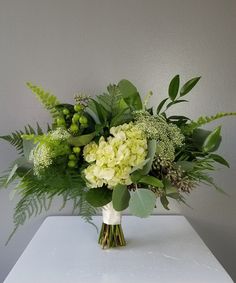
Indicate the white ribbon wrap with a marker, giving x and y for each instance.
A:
(110, 215)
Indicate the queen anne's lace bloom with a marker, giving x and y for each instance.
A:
(113, 159)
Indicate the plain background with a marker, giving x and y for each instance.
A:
(82, 45)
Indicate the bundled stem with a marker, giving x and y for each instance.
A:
(111, 236)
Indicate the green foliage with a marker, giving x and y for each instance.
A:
(28, 206)
(37, 192)
(110, 109)
(48, 100)
(174, 93)
(99, 197)
(81, 140)
(187, 87)
(16, 139)
(189, 128)
(174, 87)
(142, 202)
(120, 197)
(152, 144)
(130, 95)
(212, 140)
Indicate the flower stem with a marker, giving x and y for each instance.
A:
(111, 236)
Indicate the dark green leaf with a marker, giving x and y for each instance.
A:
(161, 105)
(142, 202)
(213, 140)
(174, 87)
(175, 102)
(120, 197)
(164, 202)
(188, 86)
(219, 159)
(177, 117)
(99, 196)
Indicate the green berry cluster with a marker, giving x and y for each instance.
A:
(74, 157)
(73, 119)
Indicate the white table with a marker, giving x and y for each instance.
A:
(159, 249)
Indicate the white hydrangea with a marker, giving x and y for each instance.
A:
(113, 159)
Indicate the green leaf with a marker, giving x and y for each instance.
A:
(140, 165)
(164, 202)
(213, 140)
(122, 117)
(81, 140)
(120, 197)
(188, 86)
(185, 165)
(161, 105)
(152, 145)
(219, 159)
(130, 94)
(142, 202)
(175, 102)
(11, 175)
(99, 196)
(174, 87)
(98, 110)
(150, 180)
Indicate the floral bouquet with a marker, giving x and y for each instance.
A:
(112, 152)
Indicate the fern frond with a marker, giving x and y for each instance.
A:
(112, 100)
(15, 138)
(188, 128)
(28, 206)
(48, 100)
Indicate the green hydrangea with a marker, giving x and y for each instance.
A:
(167, 135)
(113, 159)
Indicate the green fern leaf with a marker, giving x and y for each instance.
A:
(188, 128)
(15, 138)
(48, 100)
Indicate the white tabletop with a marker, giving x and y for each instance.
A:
(159, 249)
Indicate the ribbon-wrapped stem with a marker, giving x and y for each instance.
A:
(111, 234)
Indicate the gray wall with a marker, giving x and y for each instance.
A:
(83, 45)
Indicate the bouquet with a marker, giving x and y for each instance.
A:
(112, 152)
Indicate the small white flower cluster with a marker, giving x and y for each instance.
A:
(113, 160)
(49, 147)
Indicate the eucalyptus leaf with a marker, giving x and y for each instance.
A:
(140, 165)
(130, 94)
(99, 197)
(120, 197)
(142, 202)
(81, 140)
(174, 87)
(188, 86)
(152, 145)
